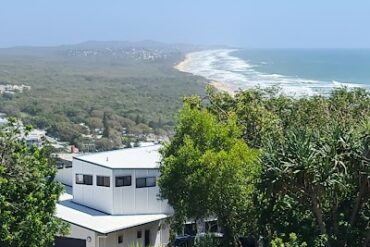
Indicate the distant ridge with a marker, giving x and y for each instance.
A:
(92, 44)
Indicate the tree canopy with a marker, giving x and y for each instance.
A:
(207, 170)
(313, 163)
(28, 194)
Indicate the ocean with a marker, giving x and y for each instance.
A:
(297, 72)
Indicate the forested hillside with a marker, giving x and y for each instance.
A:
(122, 86)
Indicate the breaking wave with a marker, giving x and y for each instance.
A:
(220, 65)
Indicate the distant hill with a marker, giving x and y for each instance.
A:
(103, 47)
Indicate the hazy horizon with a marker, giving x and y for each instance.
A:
(218, 46)
(246, 24)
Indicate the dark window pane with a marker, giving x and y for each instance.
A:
(120, 239)
(59, 164)
(103, 181)
(140, 182)
(83, 179)
(68, 164)
(119, 181)
(88, 179)
(107, 181)
(123, 181)
(127, 181)
(211, 226)
(99, 181)
(190, 229)
(150, 182)
(138, 234)
(145, 182)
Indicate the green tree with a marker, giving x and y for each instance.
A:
(208, 170)
(315, 162)
(326, 173)
(106, 132)
(292, 242)
(28, 194)
(66, 131)
(104, 144)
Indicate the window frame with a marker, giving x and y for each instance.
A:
(123, 181)
(68, 164)
(84, 176)
(146, 182)
(60, 165)
(104, 179)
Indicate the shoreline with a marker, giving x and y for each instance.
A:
(220, 86)
(181, 66)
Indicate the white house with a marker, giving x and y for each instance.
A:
(64, 166)
(114, 201)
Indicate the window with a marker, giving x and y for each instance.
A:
(145, 182)
(68, 164)
(138, 234)
(150, 182)
(103, 181)
(79, 179)
(190, 229)
(211, 226)
(60, 165)
(120, 239)
(84, 179)
(140, 182)
(88, 179)
(123, 181)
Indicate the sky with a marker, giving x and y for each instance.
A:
(241, 23)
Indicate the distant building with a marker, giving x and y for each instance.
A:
(114, 200)
(3, 119)
(35, 137)
(12, 88)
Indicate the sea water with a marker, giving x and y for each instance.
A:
(296, 72)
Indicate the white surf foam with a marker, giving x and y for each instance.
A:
(219, 65)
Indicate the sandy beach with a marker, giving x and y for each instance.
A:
(221, 86)
(182, 65)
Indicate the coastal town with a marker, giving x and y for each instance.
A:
(184, 123)
(13, 88)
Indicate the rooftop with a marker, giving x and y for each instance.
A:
(147, 157)
(98, 221)
(66, 156)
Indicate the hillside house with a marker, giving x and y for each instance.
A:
(113, 200)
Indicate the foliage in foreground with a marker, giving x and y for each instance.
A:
(314, 164)
(28, 194)
(292, 242)
(207, 170)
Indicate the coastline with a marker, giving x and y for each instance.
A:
(182, 65)
(220, 86)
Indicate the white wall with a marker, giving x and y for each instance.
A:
(118, 200)
(64, 176)
(97, 197)
(82, 233)
(159, 236)
(132, 200)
